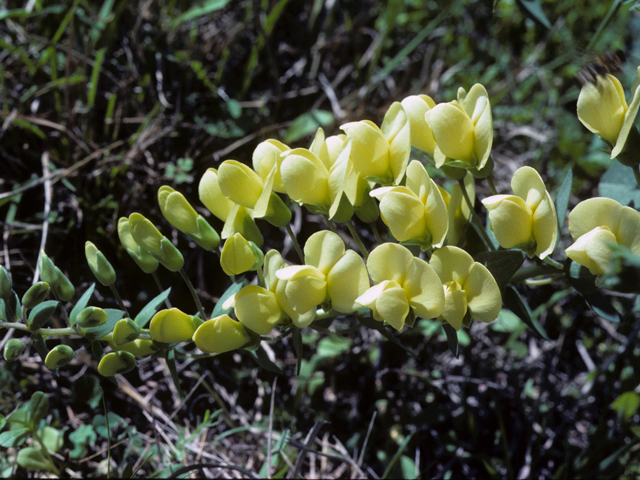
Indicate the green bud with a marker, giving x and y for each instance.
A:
(150, 239)
(58, 357)
(5, 284)
(58, 282)
(206, 237)
(12, 349)
(171, 257)
(99, 265)
(126, 330)
(35, 295)
(91, 317)
(116, 362)
(143, 258)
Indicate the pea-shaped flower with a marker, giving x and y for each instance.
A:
(146, 235)
(527, 219)
(179, 213)
(220, 334)
(415, 214)
(257, 307)
(331, 275)
(597, 223)
(602, 108)
(240, 255)
(470, 291)
(171, 325)
(402, 283)
(381, 153)
(245, 187)
(266, 160)
(463, 130)
(138, 348)
(237, 218)
(415, 107)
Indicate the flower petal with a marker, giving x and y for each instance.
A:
(424, 290)
(484, 300)
(389, 261)
(346, 281)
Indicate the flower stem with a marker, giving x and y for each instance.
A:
(193, 293)
(296, 245)
(119, 300)
(157, 280)
(492, 187)
(636, 173)
(553, 263)
(533, 271)
(475, 215)
(376, 233)
(356, 237)
(261, 277)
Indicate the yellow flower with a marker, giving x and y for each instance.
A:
(469, 288)
(138, 348)
(267, 159)
(331, 274)
(595, 224)
(526, 220)
(245, 187)
(171, 325)
(402, 283)
(417, 213)
(463, 129)
(381, 153)
(239, 255)
(211, 196)
(603, 109)
(415, 107)
(179, 213)
(220, 334)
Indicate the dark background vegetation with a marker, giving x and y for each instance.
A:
(114, 99)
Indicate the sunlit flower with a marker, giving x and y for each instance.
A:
(220, 334)
(416, 213)
(240, 255)
(415, 107)
(527, 219)
(470, 291)
(402, 283)
(171, 325)
(595, 224)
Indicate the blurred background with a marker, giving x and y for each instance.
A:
(101, 103)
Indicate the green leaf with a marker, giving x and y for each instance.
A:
(262, 359)
(562, 200)
(333, 346)
(580, 278)
(202, 8)
(514, 302)
(602, 307)
(41, 346)
(619, 184)
(171, 363)
(41, 313)
(150, 309)
(9, 309)
(307, 124)
(38, 408)
(626, 405)
(81, 305)
(14, 438)
(532, 9)
(232, 290)
(296, 336)
(33, 459)
(82, 437)
(506, 322)
(452, 338)
(52, 438)
(502, 264)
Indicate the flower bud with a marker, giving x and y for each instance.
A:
(99, 265)
(211, 196)
(58, 357)
(5, 283)
(35, 295)
(144, 259)
(240, 255)
(12, 349)
(171, 326)
(220, 334)
(58, 282)
(150, 239)
(126, 330)
(138, 348)
(91, 317)
(116, 363)
(179, 213)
